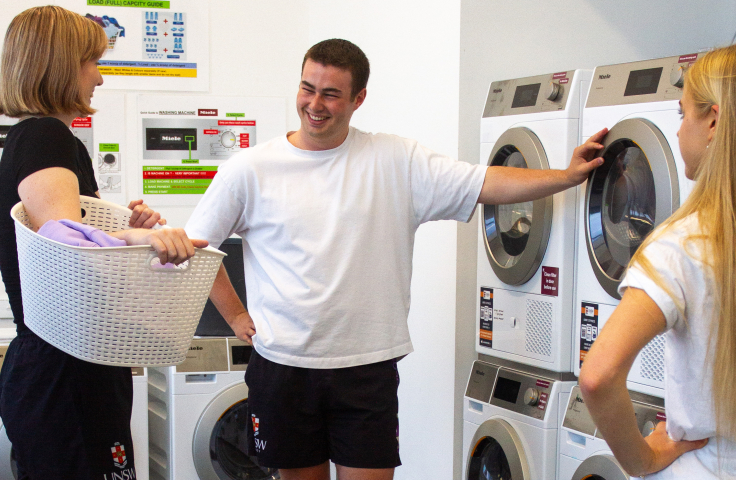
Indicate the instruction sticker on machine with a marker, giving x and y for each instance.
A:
(486, 317)
(588, 328)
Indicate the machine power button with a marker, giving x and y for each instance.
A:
(531, 396)
(648, 428)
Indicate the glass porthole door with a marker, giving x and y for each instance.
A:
(634, 190)
(497, 453)
(600, 467)
(220, 440)
(516, 235)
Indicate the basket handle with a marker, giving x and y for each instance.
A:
(154, 264)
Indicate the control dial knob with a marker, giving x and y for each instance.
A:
(228, 139)
(677, 76)
(531, 396)
(554, 91)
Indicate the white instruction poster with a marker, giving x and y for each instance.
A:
(183, 140)
(151, 44)
(109, 156)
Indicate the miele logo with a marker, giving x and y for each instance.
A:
(170, 138)
(480, 372)
(196, 348)
(497, 90)
(604, 77)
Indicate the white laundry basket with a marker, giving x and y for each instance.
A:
(110, 305)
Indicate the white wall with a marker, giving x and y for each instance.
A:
(502, 40)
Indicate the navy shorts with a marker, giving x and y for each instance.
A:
(302, 417)
(66, 418)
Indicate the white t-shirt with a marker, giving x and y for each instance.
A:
(688, 369)
(328, 238)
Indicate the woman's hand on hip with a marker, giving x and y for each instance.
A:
(665, 450)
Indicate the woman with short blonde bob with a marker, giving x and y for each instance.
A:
(66, 418)
(682, 280)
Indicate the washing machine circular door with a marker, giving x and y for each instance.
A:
(8, 466)
(220, 446)
(634, 190)
(496, 453)
(516, 235)
(600, 467)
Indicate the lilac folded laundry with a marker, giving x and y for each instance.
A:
(79, 235)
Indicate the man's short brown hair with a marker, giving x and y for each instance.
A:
(345, 55)
(45, 48)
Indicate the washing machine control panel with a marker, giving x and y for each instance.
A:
(577, 416)
(522, 393)
(481, 382)
(647, 81)
(216, 354)
(541, 93)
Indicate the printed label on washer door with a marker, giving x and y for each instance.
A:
(486, 317)
(588, 328)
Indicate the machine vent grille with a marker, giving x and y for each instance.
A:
(652, 360)
(539, 327)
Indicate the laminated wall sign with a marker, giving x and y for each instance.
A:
(183, 140)
(151, 44)
(110, 159)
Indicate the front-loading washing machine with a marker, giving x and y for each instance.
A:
(511, 419)
(641, 183)
(583, 454)
(197, 415)
(526, 252)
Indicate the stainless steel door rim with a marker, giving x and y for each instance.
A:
(516, 236)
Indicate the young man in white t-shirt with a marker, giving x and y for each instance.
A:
(328, 215)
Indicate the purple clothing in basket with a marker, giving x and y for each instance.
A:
(78, 235)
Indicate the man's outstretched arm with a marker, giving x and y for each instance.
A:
(504, 185)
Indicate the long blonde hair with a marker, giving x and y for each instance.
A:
(44, 50)
(712, 81)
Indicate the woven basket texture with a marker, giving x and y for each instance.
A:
(109, 305)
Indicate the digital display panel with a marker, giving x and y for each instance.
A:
(3, 134)
(526, 95)
(506, 390)
(643, 82)
(171, 138)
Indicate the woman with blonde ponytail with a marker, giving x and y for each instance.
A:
(682, 280)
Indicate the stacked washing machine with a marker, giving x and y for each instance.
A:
(548, 271)
(640, 184)
(526, 252)
(526, 263)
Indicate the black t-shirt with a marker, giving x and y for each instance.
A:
(32, 145)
